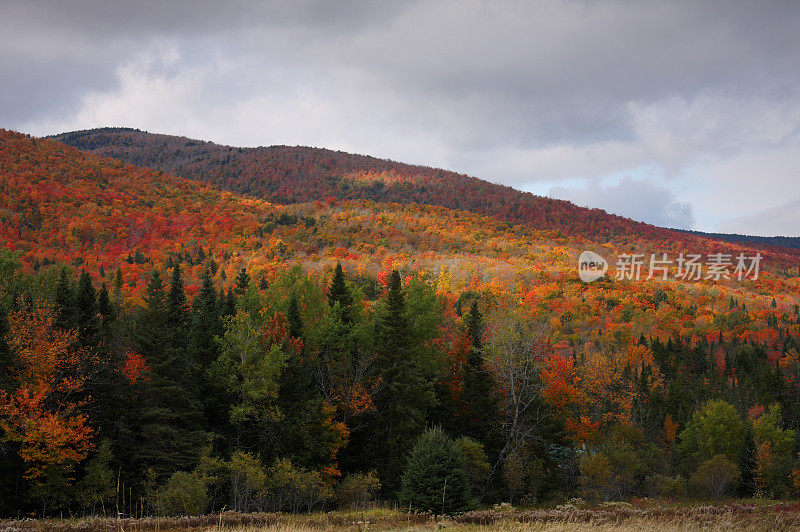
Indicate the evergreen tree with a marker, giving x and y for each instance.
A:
(435, 478)
(229, 308)
(87, 318)
(404, 396)
(474, 322)
(176, 321)
(177, 306)
(118, 283)
(204, 349)
(480, 405)
(340, 293)
(64, 302)
(242, 282)
(205, 323)
(151, 335)
(167, 429)
(107, 313)
(107, 380)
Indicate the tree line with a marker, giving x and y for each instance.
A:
(296, 394)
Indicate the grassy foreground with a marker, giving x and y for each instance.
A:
(650, 515)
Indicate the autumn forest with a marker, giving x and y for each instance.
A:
(187, 327)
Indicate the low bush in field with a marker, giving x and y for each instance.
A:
(357, 490)
(717, 477)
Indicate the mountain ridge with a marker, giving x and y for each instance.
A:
(294, 174)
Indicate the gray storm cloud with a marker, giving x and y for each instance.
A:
(530, 94)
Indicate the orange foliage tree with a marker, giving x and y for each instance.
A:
(41, 410)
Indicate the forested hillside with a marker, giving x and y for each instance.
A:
(284, 174)
(172, 348)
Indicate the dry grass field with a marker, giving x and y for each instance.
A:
(649, 516)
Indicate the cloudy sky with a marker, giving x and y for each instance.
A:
(683, 114)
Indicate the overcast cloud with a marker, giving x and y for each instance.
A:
(684, 114)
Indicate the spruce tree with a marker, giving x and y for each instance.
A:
(151, 335)
(404, 396)
(340, 293)
(177, 306)
(177, 318)
(118, 283)
(435, 478)
(106, 381)
(229, 308)
(205, 323)
(480, 407)
(167, 427)
(86, 313)
(242, 282)
(204, 350)
(107, 312)
(64, 302)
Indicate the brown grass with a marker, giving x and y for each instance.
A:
(649, 517)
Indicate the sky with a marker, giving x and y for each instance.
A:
(680, 114)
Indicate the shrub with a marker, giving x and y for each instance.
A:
(773, 454)
(98, 485)
(476, 463)
(630, 458)
(716, 477)
(184, 494)
(596, 476)
(664, 486)
(523, 475)
(248, 481)
(356, 490)
(215, 473)
(294, 488)
(435, 478)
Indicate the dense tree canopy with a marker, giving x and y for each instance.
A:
(176, 338)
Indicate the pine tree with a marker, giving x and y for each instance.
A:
(205, 323)
(118, 283)
(229, 308)
(435, 479)
(340, 293)
(167, 428)
(177, 307)
(204, 350)
(64, 302)
(479, 399)
(87, 318)
(242, 282)
(404, 396)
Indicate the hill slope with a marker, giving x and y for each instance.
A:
(60, 204)
(612, 357)
(284, 174)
